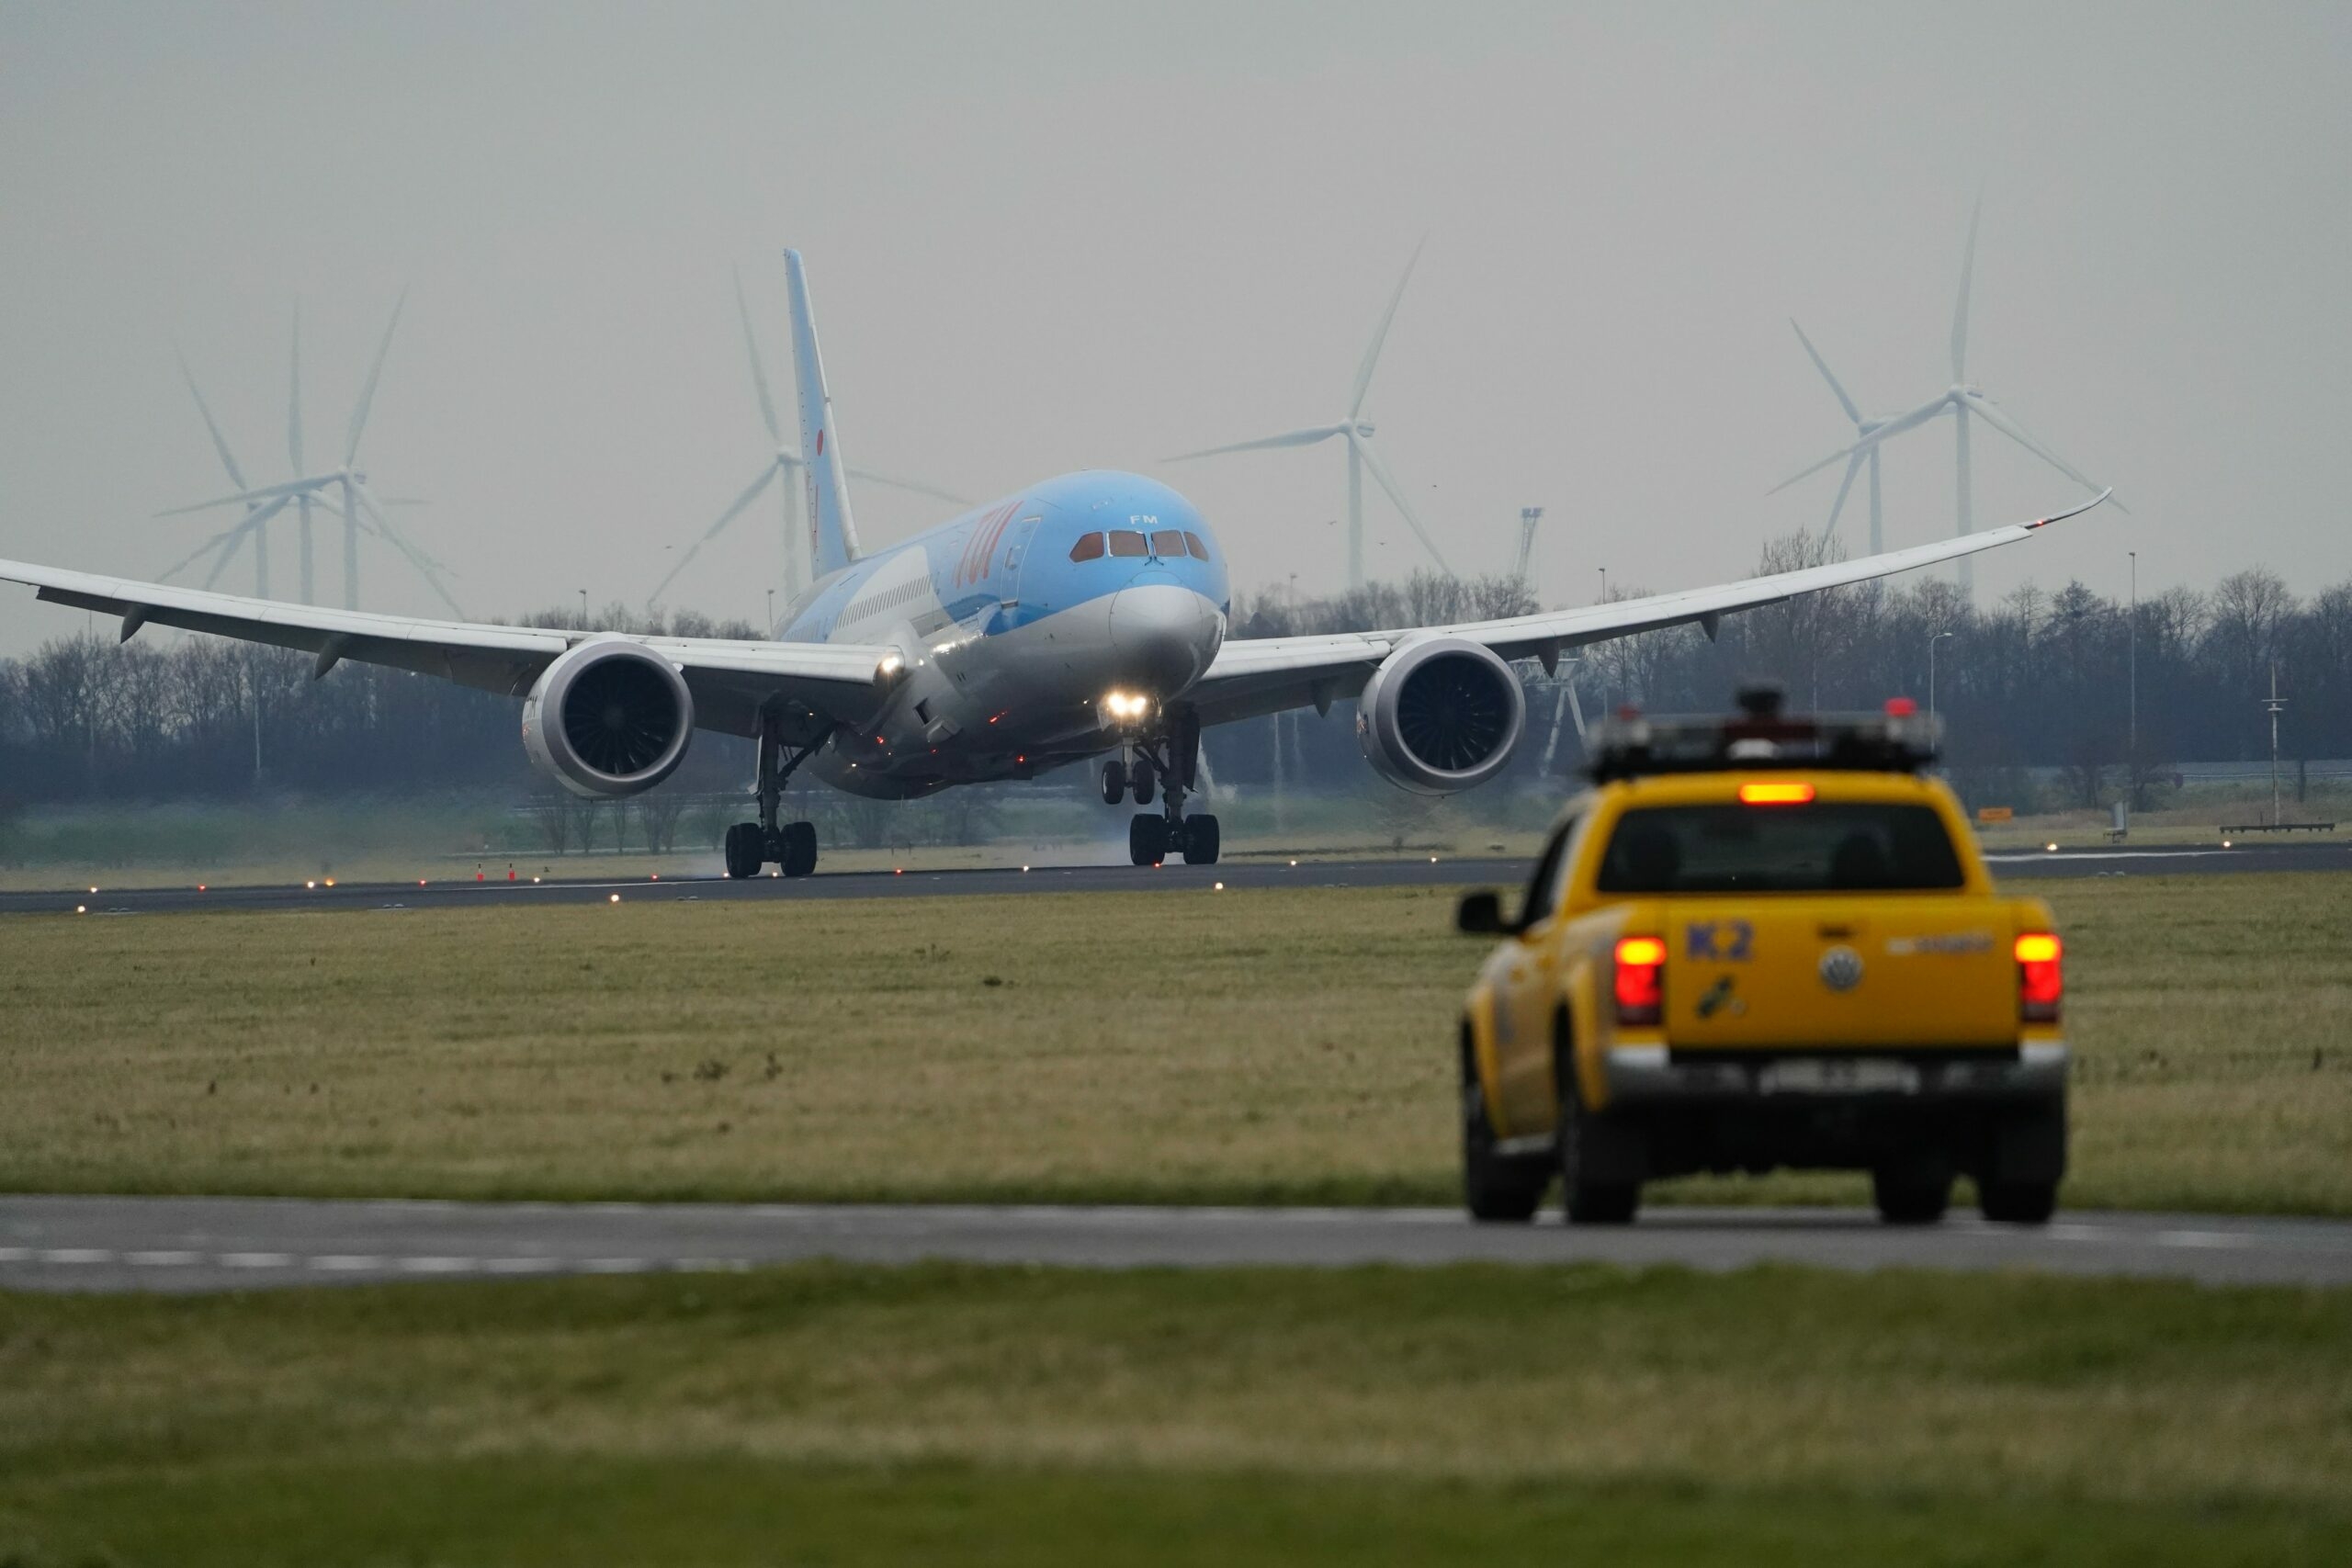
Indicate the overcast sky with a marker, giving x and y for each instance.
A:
(1043, 238)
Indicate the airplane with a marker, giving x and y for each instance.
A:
(1084, 615)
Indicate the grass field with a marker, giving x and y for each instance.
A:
(1171, 1046)
(827, 1414)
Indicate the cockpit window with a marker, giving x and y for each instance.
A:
(1168, 544)
(1089, 547)
(1127, 542)
(1192, 543)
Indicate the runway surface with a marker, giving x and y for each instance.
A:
(1407, 871)
(221, 1244)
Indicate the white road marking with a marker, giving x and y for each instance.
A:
(433, 1265)
(75, 1254)
(255, 1259)
(163, 1259)
(2200, 1238)
(347, 1263)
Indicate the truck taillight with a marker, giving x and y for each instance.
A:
(2042, 980)
(1641, 979)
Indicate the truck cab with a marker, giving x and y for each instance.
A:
(1764, 942)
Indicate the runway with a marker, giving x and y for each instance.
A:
(188, 1245)
(1418, 870)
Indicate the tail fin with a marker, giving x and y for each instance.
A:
(832, 532)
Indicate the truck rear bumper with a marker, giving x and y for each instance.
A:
(1657, 1075)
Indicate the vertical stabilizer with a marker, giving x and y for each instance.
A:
(832, 532)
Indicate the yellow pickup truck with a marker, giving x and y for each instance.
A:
(1764, 942)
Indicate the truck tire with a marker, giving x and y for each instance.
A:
(1907, 1196)
(1594, 1156)
(1495, 1186)
(2017, 1202)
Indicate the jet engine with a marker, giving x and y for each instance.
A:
(608, 718)
(1440, 714)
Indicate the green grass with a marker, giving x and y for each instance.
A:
(825, 1414)
(1170, 1046)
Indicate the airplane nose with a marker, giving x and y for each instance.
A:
(1164, 634)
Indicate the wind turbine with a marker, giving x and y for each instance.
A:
(1356, 431)
(1962, 399)
(785, 464)
(266, 502)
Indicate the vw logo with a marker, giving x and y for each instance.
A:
(1841, 969)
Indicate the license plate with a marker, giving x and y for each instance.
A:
(1861, 1075)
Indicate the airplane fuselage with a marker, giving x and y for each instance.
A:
(1027, 625)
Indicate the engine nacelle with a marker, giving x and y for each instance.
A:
(1440, 715)
(608, 718)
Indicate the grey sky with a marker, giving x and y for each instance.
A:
(1046, 238)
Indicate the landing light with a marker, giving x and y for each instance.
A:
(1126, 707)
(616, 898)
(310, 884)
(1776, 794)
(80, 908)
(2052, 849)
(1217, 887)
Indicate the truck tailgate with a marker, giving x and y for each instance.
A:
(1795, 972)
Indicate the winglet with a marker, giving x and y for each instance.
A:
(2071, 511)
(832, 531)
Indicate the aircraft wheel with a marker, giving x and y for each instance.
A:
(1114, 782)
(1140, 778)
(1201, 840)
(1147, 839)
(799, 856)
(743, 850)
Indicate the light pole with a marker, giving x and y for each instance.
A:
(771, 612)
(1931, 676)
(584, 609)
(2132, 721)
(1604, 585)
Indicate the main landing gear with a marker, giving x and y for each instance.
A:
(1168, 763)
(792, 847)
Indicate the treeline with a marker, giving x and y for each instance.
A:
(2043, 679)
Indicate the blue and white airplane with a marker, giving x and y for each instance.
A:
(1081, 616)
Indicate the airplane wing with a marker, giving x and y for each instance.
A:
(728, 680)
(1259, 675)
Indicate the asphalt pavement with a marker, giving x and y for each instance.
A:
(231, 1244)
(1413, 871)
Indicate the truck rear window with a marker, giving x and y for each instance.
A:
(1827, 848)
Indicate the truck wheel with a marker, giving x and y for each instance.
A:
(1495, 1186)
(1590, 1199)
(1911, 1197)
(2017, 1202)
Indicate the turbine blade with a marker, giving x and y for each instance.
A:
(1853, 467)
(759, 371)
(1379, 334)
(250, 497)
(220, 443)
(930, 490)
(2001, 420)
(368, 391)
(188, 559)
(1265, 442)
(426, 567)
(1819, 364)
(1960, 311)
(1397, 493)
(294, 395)
(248, 529)
(751, 494)
(1805, 473)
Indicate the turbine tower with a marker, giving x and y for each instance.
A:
(1356, 431)
(266, 502)
(785, 464)
(1961, 399)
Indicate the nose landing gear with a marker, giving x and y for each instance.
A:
(791, 846)
(1171, 761)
